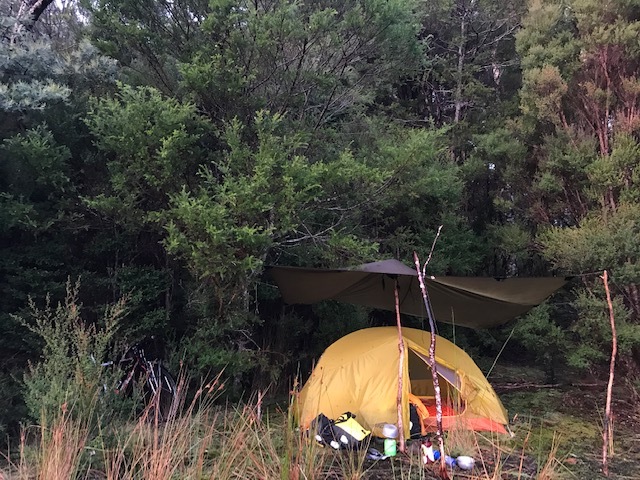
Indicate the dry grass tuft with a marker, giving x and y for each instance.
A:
(203, 441)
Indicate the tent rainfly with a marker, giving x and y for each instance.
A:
(359, 374)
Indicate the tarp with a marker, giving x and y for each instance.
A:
(359, 374)
(476, 302)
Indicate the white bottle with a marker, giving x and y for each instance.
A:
(426, 450)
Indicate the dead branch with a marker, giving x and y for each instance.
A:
(434, 371)
(607, 433)
(401, 439)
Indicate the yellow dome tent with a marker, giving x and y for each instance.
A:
(359, 374)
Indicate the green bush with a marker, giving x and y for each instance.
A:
(69, 374)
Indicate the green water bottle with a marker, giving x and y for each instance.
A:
(390, 447)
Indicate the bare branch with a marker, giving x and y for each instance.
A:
(607, 430)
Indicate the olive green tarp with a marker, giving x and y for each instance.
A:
(476, 302)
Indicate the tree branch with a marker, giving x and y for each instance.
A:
(607, 430)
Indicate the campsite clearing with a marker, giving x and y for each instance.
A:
(558, 434)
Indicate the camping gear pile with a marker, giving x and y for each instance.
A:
(345, 432)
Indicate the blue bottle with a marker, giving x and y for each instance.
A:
(450, 461)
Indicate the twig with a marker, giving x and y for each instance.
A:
(607, 428)
(433, 246)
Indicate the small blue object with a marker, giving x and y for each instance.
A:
(373, 454)
(450, 461)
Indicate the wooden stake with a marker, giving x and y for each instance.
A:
(608, 426)
(434, 369)
(401, 439)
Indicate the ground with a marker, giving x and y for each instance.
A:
(557, 433)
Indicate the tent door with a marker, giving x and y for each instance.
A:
(422, 382)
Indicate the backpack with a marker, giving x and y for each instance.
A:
(345, 432)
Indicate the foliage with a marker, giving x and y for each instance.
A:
(548, 342)
(424, 190)
(251, 201)
(313, 61)
(168, 151)
(146, 139)
(469, 62)
(600, 243)
(37, 73)
(35, 179)
(579, 107)
(30, 69)
(597, 244)
(12, 407)
(69, 373)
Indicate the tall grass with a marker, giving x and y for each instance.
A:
(204, 441)
(83, 433)
(57, 453)
(61, 446)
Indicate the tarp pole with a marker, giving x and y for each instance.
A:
(434, 370)
(401, 439)
(607, 429)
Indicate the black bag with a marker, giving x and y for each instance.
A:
(345, 432)
(323, 428)
(415, 425)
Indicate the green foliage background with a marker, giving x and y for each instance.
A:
(167, 152)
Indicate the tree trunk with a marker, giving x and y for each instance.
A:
(462, 53)
(37, 8)
(28, 14)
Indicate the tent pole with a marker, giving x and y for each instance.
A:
(401, 439)
(434, 372)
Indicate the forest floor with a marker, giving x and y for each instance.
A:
(557, 433)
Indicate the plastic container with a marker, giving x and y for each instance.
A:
(465, 462)
(426, 449)
(390, 447)
(389, 430)
(384, 430)
(450, 461)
